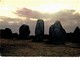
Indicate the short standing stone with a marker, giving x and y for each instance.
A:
(6, 33)
(24, 31)
(76, 35)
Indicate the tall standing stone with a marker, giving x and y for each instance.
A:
(39, 31)
(57, 34)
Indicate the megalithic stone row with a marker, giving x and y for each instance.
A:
(57, 34)
(39, 31)
(24, 31)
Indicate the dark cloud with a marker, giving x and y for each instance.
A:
(63, 15)
(24, 12)
(67, 15)
(68, 19)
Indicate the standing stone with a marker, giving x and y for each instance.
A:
(39, 31)
(76, 35)
(2, 33)
(24, 31)
(77, 30)
(57, 34)
(6, 33)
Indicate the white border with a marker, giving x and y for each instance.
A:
(39, 58)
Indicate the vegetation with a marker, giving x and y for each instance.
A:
(13, 47)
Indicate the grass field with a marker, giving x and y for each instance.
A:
(28, 48)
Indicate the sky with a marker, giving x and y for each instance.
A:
(43, 6)
(17, 12)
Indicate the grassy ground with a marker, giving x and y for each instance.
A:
(27, 48)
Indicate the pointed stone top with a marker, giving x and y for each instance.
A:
(77, 29)
(57, 24)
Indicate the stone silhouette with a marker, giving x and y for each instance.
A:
(69, 37)
(39, 31)
(15, 35)
(76, 35)
(57, 34)
(2, 33)
(6, 33)
(77, 30)
(24, 31)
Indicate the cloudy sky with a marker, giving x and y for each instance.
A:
(14, 13)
